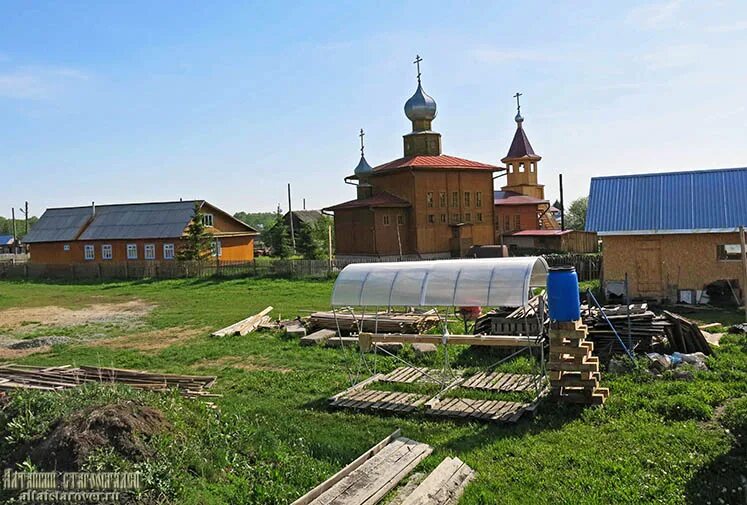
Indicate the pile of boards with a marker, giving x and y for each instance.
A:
(521, 321)
(368, 479)
(685, 336)
(14, 376)
(381, 322)
(245, 326)
(645, 327)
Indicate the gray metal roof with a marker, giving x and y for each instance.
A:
(679, 202)
(58, 225)
(139, 220)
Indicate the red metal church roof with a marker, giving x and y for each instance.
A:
(382, 199)
(434, 162)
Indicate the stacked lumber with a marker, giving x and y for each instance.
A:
(13, 376)
(685, 336)
(245, 326)
(382, 322)
(444, 485)
(637, 326)
(371, 476)
(573, 371)
(521, 321)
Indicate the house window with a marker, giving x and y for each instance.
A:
(66, 247)
(88, 252)
(466, 198)
(455, 218)
(385, 220)
(455, 199)
(168, 251)
(478, 199)
(400, 219)
(506, 223)
(479, 217)
(131, 251)
(443, 218)
(429, 199)
(517, 222)
(729, 252)
(207, 220)
(468, 217)
(442, 199)
(150, 251)
(216, 249)
(431, 219)
(106, 251)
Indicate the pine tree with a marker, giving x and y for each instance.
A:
(279, 238)
(307, 243)
(197, 243)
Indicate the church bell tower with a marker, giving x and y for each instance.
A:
(421, 110)
(521, 162)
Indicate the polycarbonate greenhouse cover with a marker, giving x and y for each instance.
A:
(484, 282)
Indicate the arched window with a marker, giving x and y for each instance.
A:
(521, 167)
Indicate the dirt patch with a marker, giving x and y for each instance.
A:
(125, 427)
(250, 364)
(31, 318)
(153, 340)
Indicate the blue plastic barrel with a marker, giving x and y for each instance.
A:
(562, 294)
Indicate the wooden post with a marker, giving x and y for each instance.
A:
(744, 268)
(15, 239)
(290, 215)
(562, 204)
(329, 245)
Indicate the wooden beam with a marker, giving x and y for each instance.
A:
(367, 339)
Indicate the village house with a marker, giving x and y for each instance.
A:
(7, 243)
(672, 234)
(425, 204)
(133, 232)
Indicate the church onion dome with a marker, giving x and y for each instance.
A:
(420, 106)
(363, 167)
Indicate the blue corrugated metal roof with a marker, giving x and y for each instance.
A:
(676, 202)
(6, 239)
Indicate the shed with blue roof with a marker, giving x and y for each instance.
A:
(671, 233)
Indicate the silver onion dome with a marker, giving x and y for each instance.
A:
(519, 118)
(420, 106)
(363, 167)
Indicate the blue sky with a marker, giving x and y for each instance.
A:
(140, 101)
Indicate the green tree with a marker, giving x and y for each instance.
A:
(198, 242)
(278, 238)
(261, 221)
(307, 242)
(575, 216)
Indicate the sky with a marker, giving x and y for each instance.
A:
(230, 101)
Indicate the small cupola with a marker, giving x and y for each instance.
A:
(421, 110)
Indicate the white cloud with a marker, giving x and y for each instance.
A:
(502, 55)
(37, 82)
(655, 15)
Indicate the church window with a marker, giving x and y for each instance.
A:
(442, 199)
(400, 219)
(429, 199)
(455, 199)
(506, 223)
(517, 222)
(443, 218)
(386, 220)
(479, 217)
(532, 166)
(521, 167)
(431, 219)
(510, 169)
(466, 198)
(455, 218)
(468, 217)
(478, 199)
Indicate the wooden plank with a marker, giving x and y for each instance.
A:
(317, 491)
(360, 385)
(319, 337)
(366, 339)
(443, 486)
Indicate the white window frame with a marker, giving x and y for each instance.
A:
(168, 251)
(66, 247)
(89, 252)
(216, 248)
(149, 251)
(107, 252)
(130, 249)
(208, 220)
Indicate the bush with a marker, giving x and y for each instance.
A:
(735, 418)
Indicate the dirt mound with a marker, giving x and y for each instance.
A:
(123, 426)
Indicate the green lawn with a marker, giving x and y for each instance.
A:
(657, 440)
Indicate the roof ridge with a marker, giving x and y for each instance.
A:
(124, 204)
(678, 172)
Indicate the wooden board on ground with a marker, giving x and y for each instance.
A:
(410, 375)
(319, 337)
(444, 486)
(499, 381)
(370, 477)
(245, 326)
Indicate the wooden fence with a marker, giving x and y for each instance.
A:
(588, 267)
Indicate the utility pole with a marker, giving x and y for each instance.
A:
(562, 204)
(290, 215)
(15, 236)
(25, 211)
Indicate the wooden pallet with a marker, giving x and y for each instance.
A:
(499, 381)
(410, 375)
(371, 476)
(367, 399)
(488, 410)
